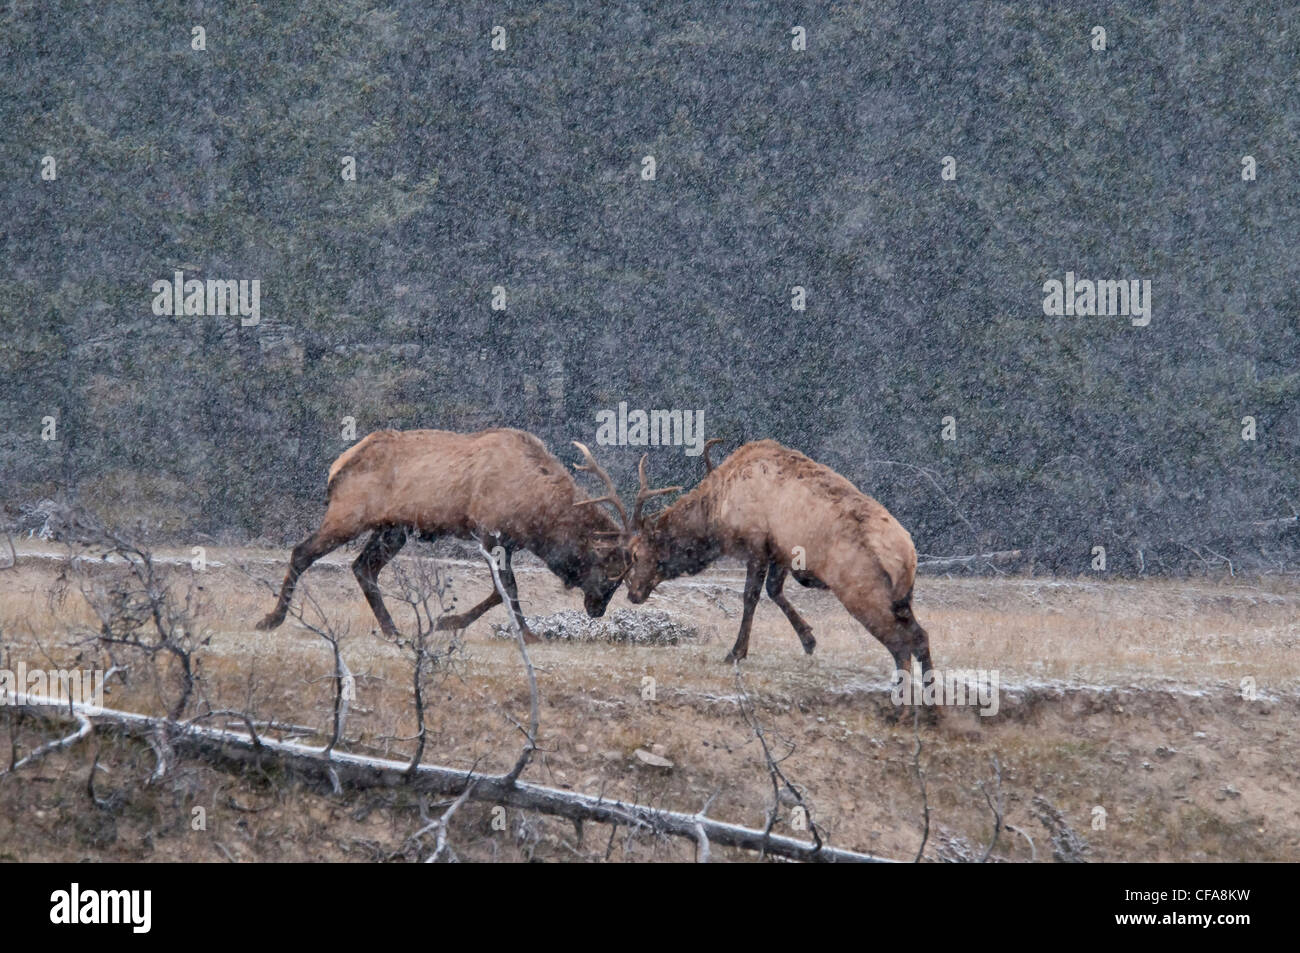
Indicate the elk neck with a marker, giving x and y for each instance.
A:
(687, 537)
(566, 546)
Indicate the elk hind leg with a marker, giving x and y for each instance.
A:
(884, 625)
(320, 543)
(918, 638)
(464, 620)
(905, 640)
(382, 546)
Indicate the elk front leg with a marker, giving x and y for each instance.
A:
(383, 545)
(776, 574)
(755, 570)
(508, 581)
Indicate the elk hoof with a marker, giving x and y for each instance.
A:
(934, 716)
(808, 645)
(270, 622)
(733, 657)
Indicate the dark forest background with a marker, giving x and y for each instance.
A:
(775, 168)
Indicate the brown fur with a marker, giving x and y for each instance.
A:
(763, 502)
(501, 486)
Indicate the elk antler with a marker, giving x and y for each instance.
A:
(708, 464)
(645, 492)
(612, 497)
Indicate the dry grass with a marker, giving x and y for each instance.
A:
(1096, 677)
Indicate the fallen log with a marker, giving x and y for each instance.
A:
(361, 771)
(999, 557)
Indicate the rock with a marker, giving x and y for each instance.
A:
(653, 760)
(625, 626)
(581, 749)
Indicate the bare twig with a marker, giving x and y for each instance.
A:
(344, 682)
(440, 825)
(920, 778)
(929, 475)
(775, 775)
(701, 844)
(1033, 853)
(530, 742)
(84, 728)
(995, 805)
(136, 609)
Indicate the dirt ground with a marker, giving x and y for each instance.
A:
(1121, 713)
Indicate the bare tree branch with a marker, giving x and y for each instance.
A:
(777, 777)
(995, 805)
(530, 743)
(83, 730)
(920, 778)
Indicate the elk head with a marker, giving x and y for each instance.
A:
(604, 560)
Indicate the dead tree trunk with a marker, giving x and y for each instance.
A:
(360, 771)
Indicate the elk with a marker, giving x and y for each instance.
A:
(786, 514)
(499, 486)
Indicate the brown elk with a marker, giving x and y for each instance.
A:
(786, 514)
(499, 486)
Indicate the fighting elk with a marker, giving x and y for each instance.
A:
(786, 514)
(499, 486)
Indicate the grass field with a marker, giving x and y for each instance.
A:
(1122, 696)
